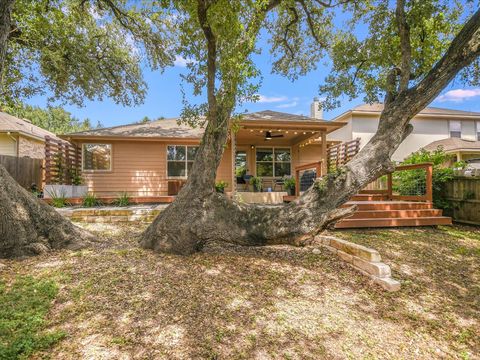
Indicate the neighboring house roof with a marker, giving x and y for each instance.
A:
(12, 124)
(454, 145)
(169, 128)
(433, 112)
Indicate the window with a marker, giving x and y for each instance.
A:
(478, 130)
(97, 157)
(455, 129)
(180, 160)
(274, 162)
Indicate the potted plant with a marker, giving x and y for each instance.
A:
(256, 182)
(220, 186)
(289, 185)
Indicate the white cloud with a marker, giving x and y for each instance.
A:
(288, 105)
(182, 62)
(270, 99)
(459, 95)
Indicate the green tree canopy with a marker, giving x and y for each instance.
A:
(79, 49)
(53, 118)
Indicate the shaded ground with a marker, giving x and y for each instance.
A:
(117, 301)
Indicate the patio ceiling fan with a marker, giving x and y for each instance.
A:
(269, 135)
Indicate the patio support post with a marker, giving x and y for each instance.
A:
(324, 152)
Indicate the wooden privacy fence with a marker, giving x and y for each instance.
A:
(62, 161)
(338, 155)
(24, 170)
(464, 194)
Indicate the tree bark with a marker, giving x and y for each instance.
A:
(199, 214)
(29, 227)
(5, 24)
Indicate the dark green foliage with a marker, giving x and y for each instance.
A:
(23, 308)
(289, 183)
(59, 199)
(256, 182)
(91, 200)
(412, 182)
(220, 186)
(123, 199)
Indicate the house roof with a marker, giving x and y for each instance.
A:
(169, 128)
(434, 112)
(454, 144)
(9, 123)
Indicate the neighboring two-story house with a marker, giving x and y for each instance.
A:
(432, 127)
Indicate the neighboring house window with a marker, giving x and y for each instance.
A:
(180, 160)
(478, 130)
(274, 162)
(97, 157)
(455, 129)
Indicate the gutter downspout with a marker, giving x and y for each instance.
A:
(9, 134)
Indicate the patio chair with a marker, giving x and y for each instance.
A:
(278, 182)
(246, 179)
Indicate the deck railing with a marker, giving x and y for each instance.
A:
(415, 186)
(303, 181)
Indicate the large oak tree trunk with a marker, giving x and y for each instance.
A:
(28, 226)
(199, 214)
(5, 23)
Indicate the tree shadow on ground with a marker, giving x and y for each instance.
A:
(119, 301)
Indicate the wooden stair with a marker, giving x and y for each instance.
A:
(373, 210)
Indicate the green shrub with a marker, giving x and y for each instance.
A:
(91, 200)
(289, 183)
(23, 308)
(412, 182)
(59, 200)
(123, 199)
(256, 182)
(220, 186)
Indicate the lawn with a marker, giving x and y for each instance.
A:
(116, 301)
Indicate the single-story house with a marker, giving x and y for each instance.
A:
(463, 149)
(20, 138)
(151, 159)
(430, 125)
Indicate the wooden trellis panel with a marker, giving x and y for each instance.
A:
(340, 154)
(62, 161)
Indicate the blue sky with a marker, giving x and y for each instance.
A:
(276, 93)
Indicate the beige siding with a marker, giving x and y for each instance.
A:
(225, 170)
(31, 148)
(140, 168)
(305, 155)
(7, 145)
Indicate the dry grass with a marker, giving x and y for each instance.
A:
(117, 301)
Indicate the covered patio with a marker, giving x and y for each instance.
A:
(270, 146)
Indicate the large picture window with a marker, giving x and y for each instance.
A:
(273, 162)
(180, 160)
(455, 128)
(97, 157)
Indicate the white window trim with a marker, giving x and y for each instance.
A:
(92, 170)
(449, 128)
(185, 161)
(273, 160)
(477, 130)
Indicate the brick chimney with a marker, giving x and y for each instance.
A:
(316, 111)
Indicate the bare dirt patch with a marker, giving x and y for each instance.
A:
(117, 301)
